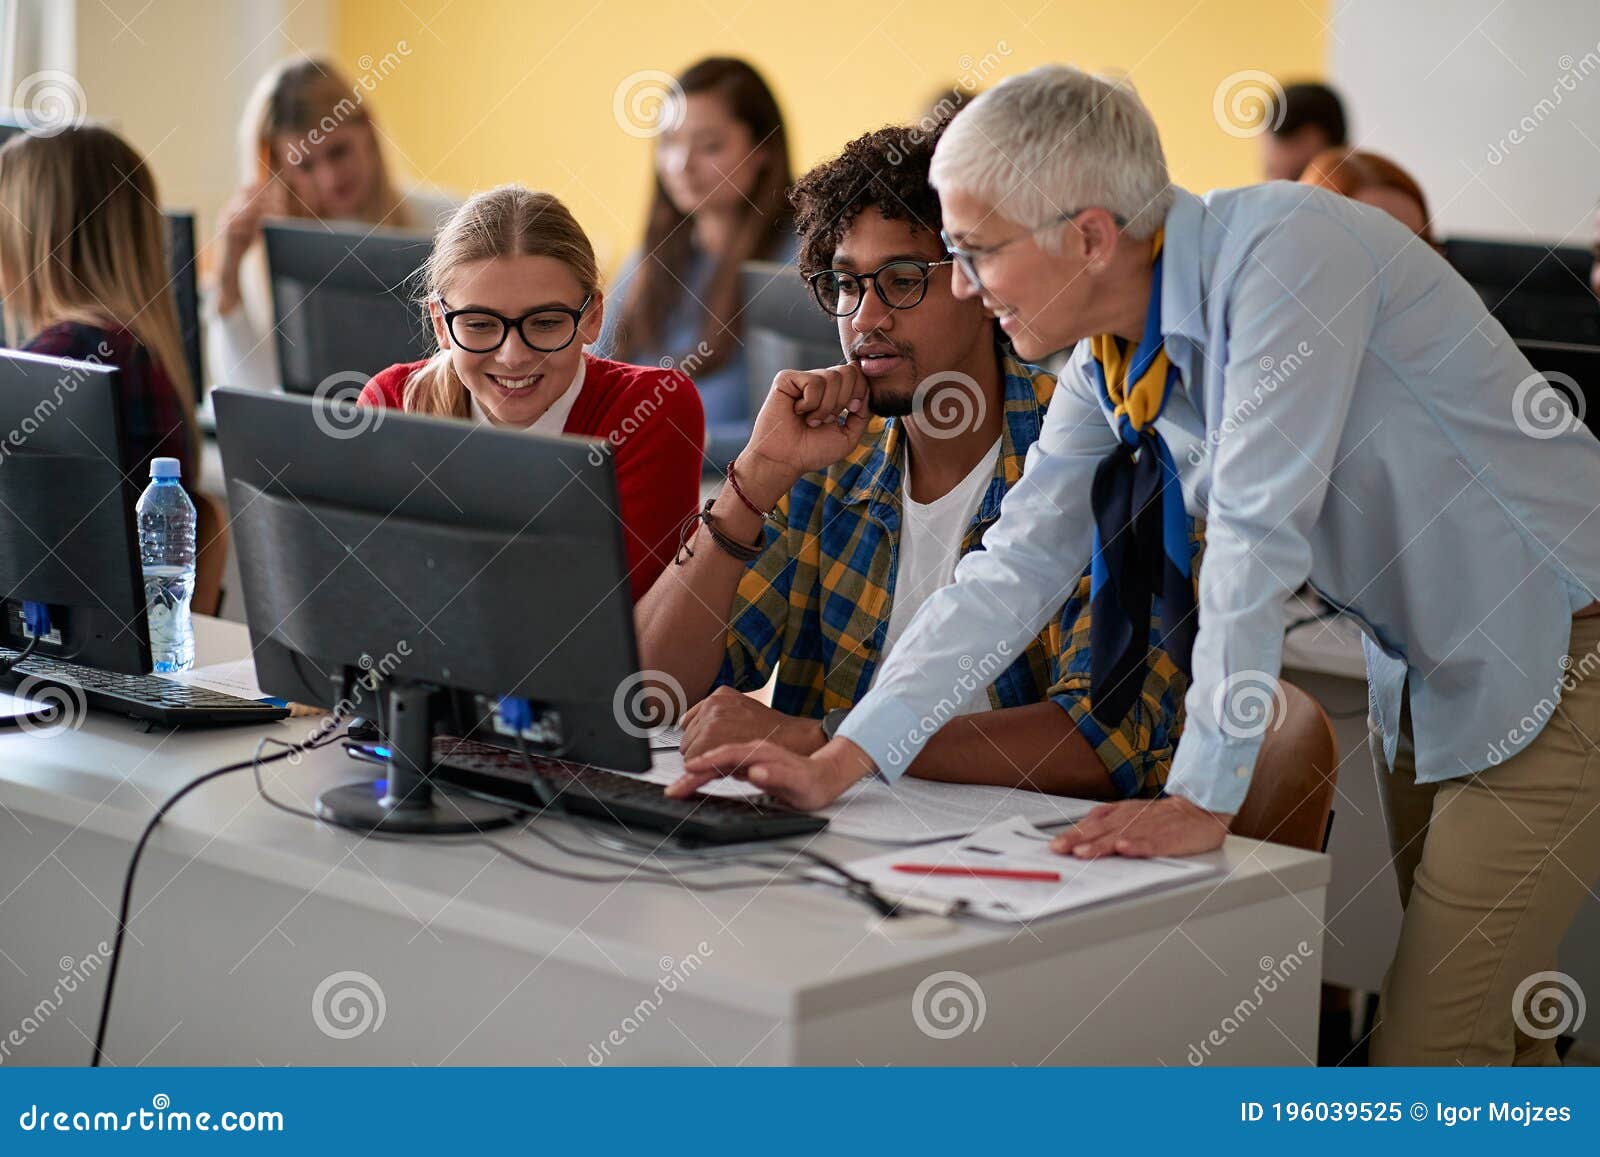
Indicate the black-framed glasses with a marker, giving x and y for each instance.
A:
(968, 256)
(898, 284)
(546, 329)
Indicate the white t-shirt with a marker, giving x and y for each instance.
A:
(930, 546)
(553, 420)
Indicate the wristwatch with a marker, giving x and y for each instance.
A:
(833, 720)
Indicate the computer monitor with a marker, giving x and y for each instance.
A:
(782, 326)
(186, 292)
(1537, 293)
(447, 565)
(1571, 370)
(68, 539)
(343, 303)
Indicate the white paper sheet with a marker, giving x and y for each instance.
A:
(14, 710)
(237, 677)
(1016, 844)
(912, 810)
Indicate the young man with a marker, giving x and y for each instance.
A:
(881, 474)
(1309, 119)
(1389, 457)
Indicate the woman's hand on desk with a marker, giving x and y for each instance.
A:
(728, 716)
(1144, 827)
(797, 781)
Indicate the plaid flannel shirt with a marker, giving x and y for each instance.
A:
(815, 605)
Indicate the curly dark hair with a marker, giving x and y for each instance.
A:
(887, 169)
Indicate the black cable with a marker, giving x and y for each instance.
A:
(6, 665)
(133, 866)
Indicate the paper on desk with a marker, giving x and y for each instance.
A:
(1019, 845)
(22, 710)
(237, 677)
(911, 811)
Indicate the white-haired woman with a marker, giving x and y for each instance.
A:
(1359, 410)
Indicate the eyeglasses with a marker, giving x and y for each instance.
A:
(546, 329)
(967, 257)
(898, 284)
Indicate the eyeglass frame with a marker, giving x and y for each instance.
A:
(967, 257)
(508, 324)
(927, 268)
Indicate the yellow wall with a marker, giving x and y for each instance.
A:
(478, 92)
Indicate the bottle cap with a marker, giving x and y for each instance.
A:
(165, 468)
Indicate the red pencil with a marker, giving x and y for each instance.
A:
(988, 873)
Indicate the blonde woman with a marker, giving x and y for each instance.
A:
(513, 292)
(308, 148)
(83, 267)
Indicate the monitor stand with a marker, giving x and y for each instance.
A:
(405, 802)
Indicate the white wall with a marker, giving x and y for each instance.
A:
(1493, 106)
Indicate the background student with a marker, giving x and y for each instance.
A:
(722, 179)
(513, 293)
(83, 267)
(1373, 180)
(293, 165)
(1309, 119)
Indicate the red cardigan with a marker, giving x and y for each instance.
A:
(653, 421)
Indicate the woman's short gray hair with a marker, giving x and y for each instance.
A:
(1054, 140)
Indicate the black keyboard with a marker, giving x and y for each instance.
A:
(146, 697)
(502, 774)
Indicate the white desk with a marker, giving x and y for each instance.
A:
(243, 911)
(1324, 659)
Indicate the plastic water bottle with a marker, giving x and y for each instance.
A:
(166, 552)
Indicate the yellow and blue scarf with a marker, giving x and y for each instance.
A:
(1141, 539)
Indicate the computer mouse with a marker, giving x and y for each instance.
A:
(364, 730)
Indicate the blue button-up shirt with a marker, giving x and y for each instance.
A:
(1349, 415)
